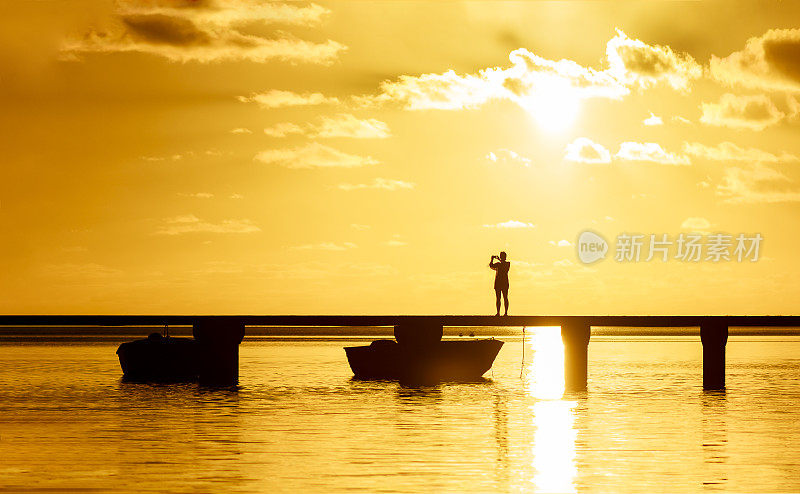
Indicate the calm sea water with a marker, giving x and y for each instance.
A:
(299, 423)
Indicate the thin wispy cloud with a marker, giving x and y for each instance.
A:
(241, 130)
(696, 224)
(649, 152)
(197, 195)
(507, 156)
(283, 129)
(728, 151)
(313, 155)
(584, 150)
(380, 184)
(754, 112)
(510, 224)
(329, 246)
(756, 184)
(179, 225)
(652, 121)
(276, 98)
(340, 125)
(173, 157)
(347, 125)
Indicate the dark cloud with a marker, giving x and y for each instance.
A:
(160, 28)
(206, 31)
(784, 56)
(769, 62)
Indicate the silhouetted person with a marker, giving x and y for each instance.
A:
(501, 268)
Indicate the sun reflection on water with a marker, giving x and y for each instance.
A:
(553, 448)
(546, 369)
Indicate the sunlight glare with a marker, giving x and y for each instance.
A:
(547, 366)
(554, 446)
(554, 106)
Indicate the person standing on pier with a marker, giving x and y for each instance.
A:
(501, 268)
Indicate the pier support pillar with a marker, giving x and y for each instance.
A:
(714, 336)
(576, 355)
(219, 351)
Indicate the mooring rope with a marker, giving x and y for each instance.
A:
(522, 365)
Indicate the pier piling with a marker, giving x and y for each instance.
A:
(219, 351)
(575, 336)
(714, 336)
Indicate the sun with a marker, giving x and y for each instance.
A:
(554, 105)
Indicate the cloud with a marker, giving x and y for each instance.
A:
(649, 151)
(178, 225)
(241, 130)
(174, 157)
(197, 195)
(538, 84)
(276, 98)
(755, 112)
(681, 120)
(560, 243)
(634, 62)
(728, 151)
(756, 184)
(507, 156)
(236, 196)
(359, 227)
(347, 125)
(341, 125)
(696, 224)
(90, 271)
(396, 243)
(179, 40)
(652, 120)
(313, 155)
(283, 129)
(511, 224)
(330, 246)
(207, 31)
(227, 13)
(379, 183)
(447, 91)
(584, 150)
(769, 62)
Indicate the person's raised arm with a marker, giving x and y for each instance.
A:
(491, 264)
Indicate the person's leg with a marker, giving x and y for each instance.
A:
(505, 299)
(497, 301)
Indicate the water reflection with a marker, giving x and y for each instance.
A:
(546, 368)
(554, 446)
(553, 449)
(715, 439)
(501, 440)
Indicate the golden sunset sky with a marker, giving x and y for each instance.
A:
(218, 157)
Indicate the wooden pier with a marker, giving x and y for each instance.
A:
(220, 336)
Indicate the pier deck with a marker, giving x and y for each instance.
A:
(220, 336)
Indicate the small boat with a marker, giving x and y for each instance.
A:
(433, 362)
(159, 358)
